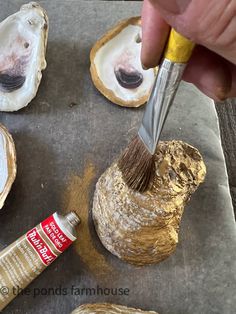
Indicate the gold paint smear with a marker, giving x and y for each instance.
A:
(77, 198)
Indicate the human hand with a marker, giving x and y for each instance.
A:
(210, 24)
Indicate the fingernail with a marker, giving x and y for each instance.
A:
(173, 6)
(144, 68)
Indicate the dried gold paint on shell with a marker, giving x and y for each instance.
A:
(107, 308)
(143, 228)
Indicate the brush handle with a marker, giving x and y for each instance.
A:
(178, 49)
(177, 53)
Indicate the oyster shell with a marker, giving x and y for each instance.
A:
(7, 163)
(143, 228)
(106, 308)
(116, 68)
(23, 38)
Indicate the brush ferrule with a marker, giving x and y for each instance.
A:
(161, 98)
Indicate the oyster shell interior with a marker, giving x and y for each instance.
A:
(116, 67)
(23, 38)
(7, 163)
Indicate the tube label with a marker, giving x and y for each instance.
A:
(43, 250)
(27, 257)
(55, 234)
(48, 231)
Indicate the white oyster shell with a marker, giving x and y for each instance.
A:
(7, 163)
(23, 38)
(116, 68)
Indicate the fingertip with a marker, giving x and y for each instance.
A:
(144, 67)
(155, 32)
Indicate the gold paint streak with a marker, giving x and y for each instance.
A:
(77, 198)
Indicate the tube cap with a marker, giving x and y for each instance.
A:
(72, 218)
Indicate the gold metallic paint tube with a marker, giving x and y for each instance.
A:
(25, 259)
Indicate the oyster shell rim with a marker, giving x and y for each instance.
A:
(100, 306)
(108, 93)
(11, 164)
(45, 32)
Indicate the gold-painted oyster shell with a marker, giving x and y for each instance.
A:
(107, 308)
(23, 38)
(116, 68)
(7, 163)
(143, 228)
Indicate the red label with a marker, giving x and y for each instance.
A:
(41, 247)
(55, 234)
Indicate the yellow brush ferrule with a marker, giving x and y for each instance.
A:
(179, 49)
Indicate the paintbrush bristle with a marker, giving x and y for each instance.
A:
(137, 165)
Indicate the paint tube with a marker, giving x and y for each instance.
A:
(26, 258)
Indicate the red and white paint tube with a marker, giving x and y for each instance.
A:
(26, 258)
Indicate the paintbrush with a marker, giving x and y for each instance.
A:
(137, 161)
